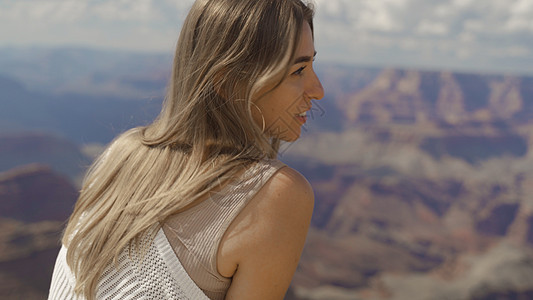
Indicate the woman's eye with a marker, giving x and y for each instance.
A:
(299, 71)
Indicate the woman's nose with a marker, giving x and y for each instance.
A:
(314, 88)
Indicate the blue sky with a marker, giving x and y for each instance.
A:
(467, 35)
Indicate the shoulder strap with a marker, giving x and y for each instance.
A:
(187, 285)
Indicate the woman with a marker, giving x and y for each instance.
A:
(196, 204)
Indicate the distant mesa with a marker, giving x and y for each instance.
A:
(12, 87)
(35, 203)
(410, 96)
(34, 193)
(61, 155)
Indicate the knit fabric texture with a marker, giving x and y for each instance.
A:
(158, 275)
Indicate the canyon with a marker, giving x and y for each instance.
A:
(422, 180)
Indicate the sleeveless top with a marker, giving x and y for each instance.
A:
(181, 261)
(195, 234)
(157, 276)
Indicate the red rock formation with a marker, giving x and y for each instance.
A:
(35, 202)
(35, 193)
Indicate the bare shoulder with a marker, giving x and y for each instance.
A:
(263, 245)
(291, 180)
(288, 189)
(284, 205)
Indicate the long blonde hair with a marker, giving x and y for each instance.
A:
(228, 50)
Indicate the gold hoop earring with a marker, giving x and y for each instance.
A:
(262, 117)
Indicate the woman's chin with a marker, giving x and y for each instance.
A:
(286, 134)
(290, 137)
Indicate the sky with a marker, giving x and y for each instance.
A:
(463, 35)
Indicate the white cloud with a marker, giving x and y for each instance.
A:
(467, 37)
(127, 10)
(380, 15)
(432, 28)
(519, 24)
(65, 11)
(522, 7)
(473, 26)
(462, 3)
(521, 16)
(51, 11)
(430, 32)
(482, 34)
(363, 14)
(512, 51)
(334, 8)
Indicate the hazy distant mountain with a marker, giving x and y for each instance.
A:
(60, 154)
(60, 71)
(80, 117)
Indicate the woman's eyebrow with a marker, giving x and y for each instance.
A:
(302, 59)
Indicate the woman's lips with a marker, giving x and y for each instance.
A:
(302, 117)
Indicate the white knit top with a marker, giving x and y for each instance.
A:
(158, 276)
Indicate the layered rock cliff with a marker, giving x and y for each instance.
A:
(35, 203)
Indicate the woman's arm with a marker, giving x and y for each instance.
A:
(266, 240)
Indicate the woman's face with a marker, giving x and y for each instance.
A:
(282, 111)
